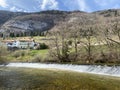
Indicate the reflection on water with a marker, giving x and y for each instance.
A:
(15, 79)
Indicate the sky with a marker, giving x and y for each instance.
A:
(65, 5)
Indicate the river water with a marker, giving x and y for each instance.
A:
(95, 69)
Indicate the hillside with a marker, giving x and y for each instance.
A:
(18, 22)
(7, 15)
(109, 13)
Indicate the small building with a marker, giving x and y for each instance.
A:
(7, 43)
(24, 43)
(20, 44)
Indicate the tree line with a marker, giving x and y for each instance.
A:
(87, 44)
(22, 34)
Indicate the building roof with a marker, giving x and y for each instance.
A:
(25, 40)
(21, 40)
(7, 41)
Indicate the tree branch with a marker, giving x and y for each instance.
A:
(113, 41)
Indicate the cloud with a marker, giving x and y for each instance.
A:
(3, 3)
(17, 9)
(83, 5)
(70, 5)
(48, 4)
(13, 8)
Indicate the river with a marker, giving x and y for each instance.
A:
(94, 69)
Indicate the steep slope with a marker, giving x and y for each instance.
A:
(7, 15)
(108, 13)
(111, 16)
(46, 20)
(34, 22)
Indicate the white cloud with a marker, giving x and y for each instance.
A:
(77, 5)
(13, 8)
(83, 6)
(48, 4)
(3, 3)
(17, 9)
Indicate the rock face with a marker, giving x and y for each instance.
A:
(46, 20)
(7, 15)
(29, 25)
(33, 22)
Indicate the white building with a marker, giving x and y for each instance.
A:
(24, 44)
(20, 44)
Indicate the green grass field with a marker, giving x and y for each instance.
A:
(25, 55)
(41, 79)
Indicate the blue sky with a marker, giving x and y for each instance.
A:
(67, 5)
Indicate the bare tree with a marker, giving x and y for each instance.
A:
(59, 45)
(111, 36)
(74, 34)
(87, 43)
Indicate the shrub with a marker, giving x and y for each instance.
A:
(42, 46)
(36, 58)
(43, 58)
(19, 53)
(70, 42)
(49, 58)
(3, 53)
